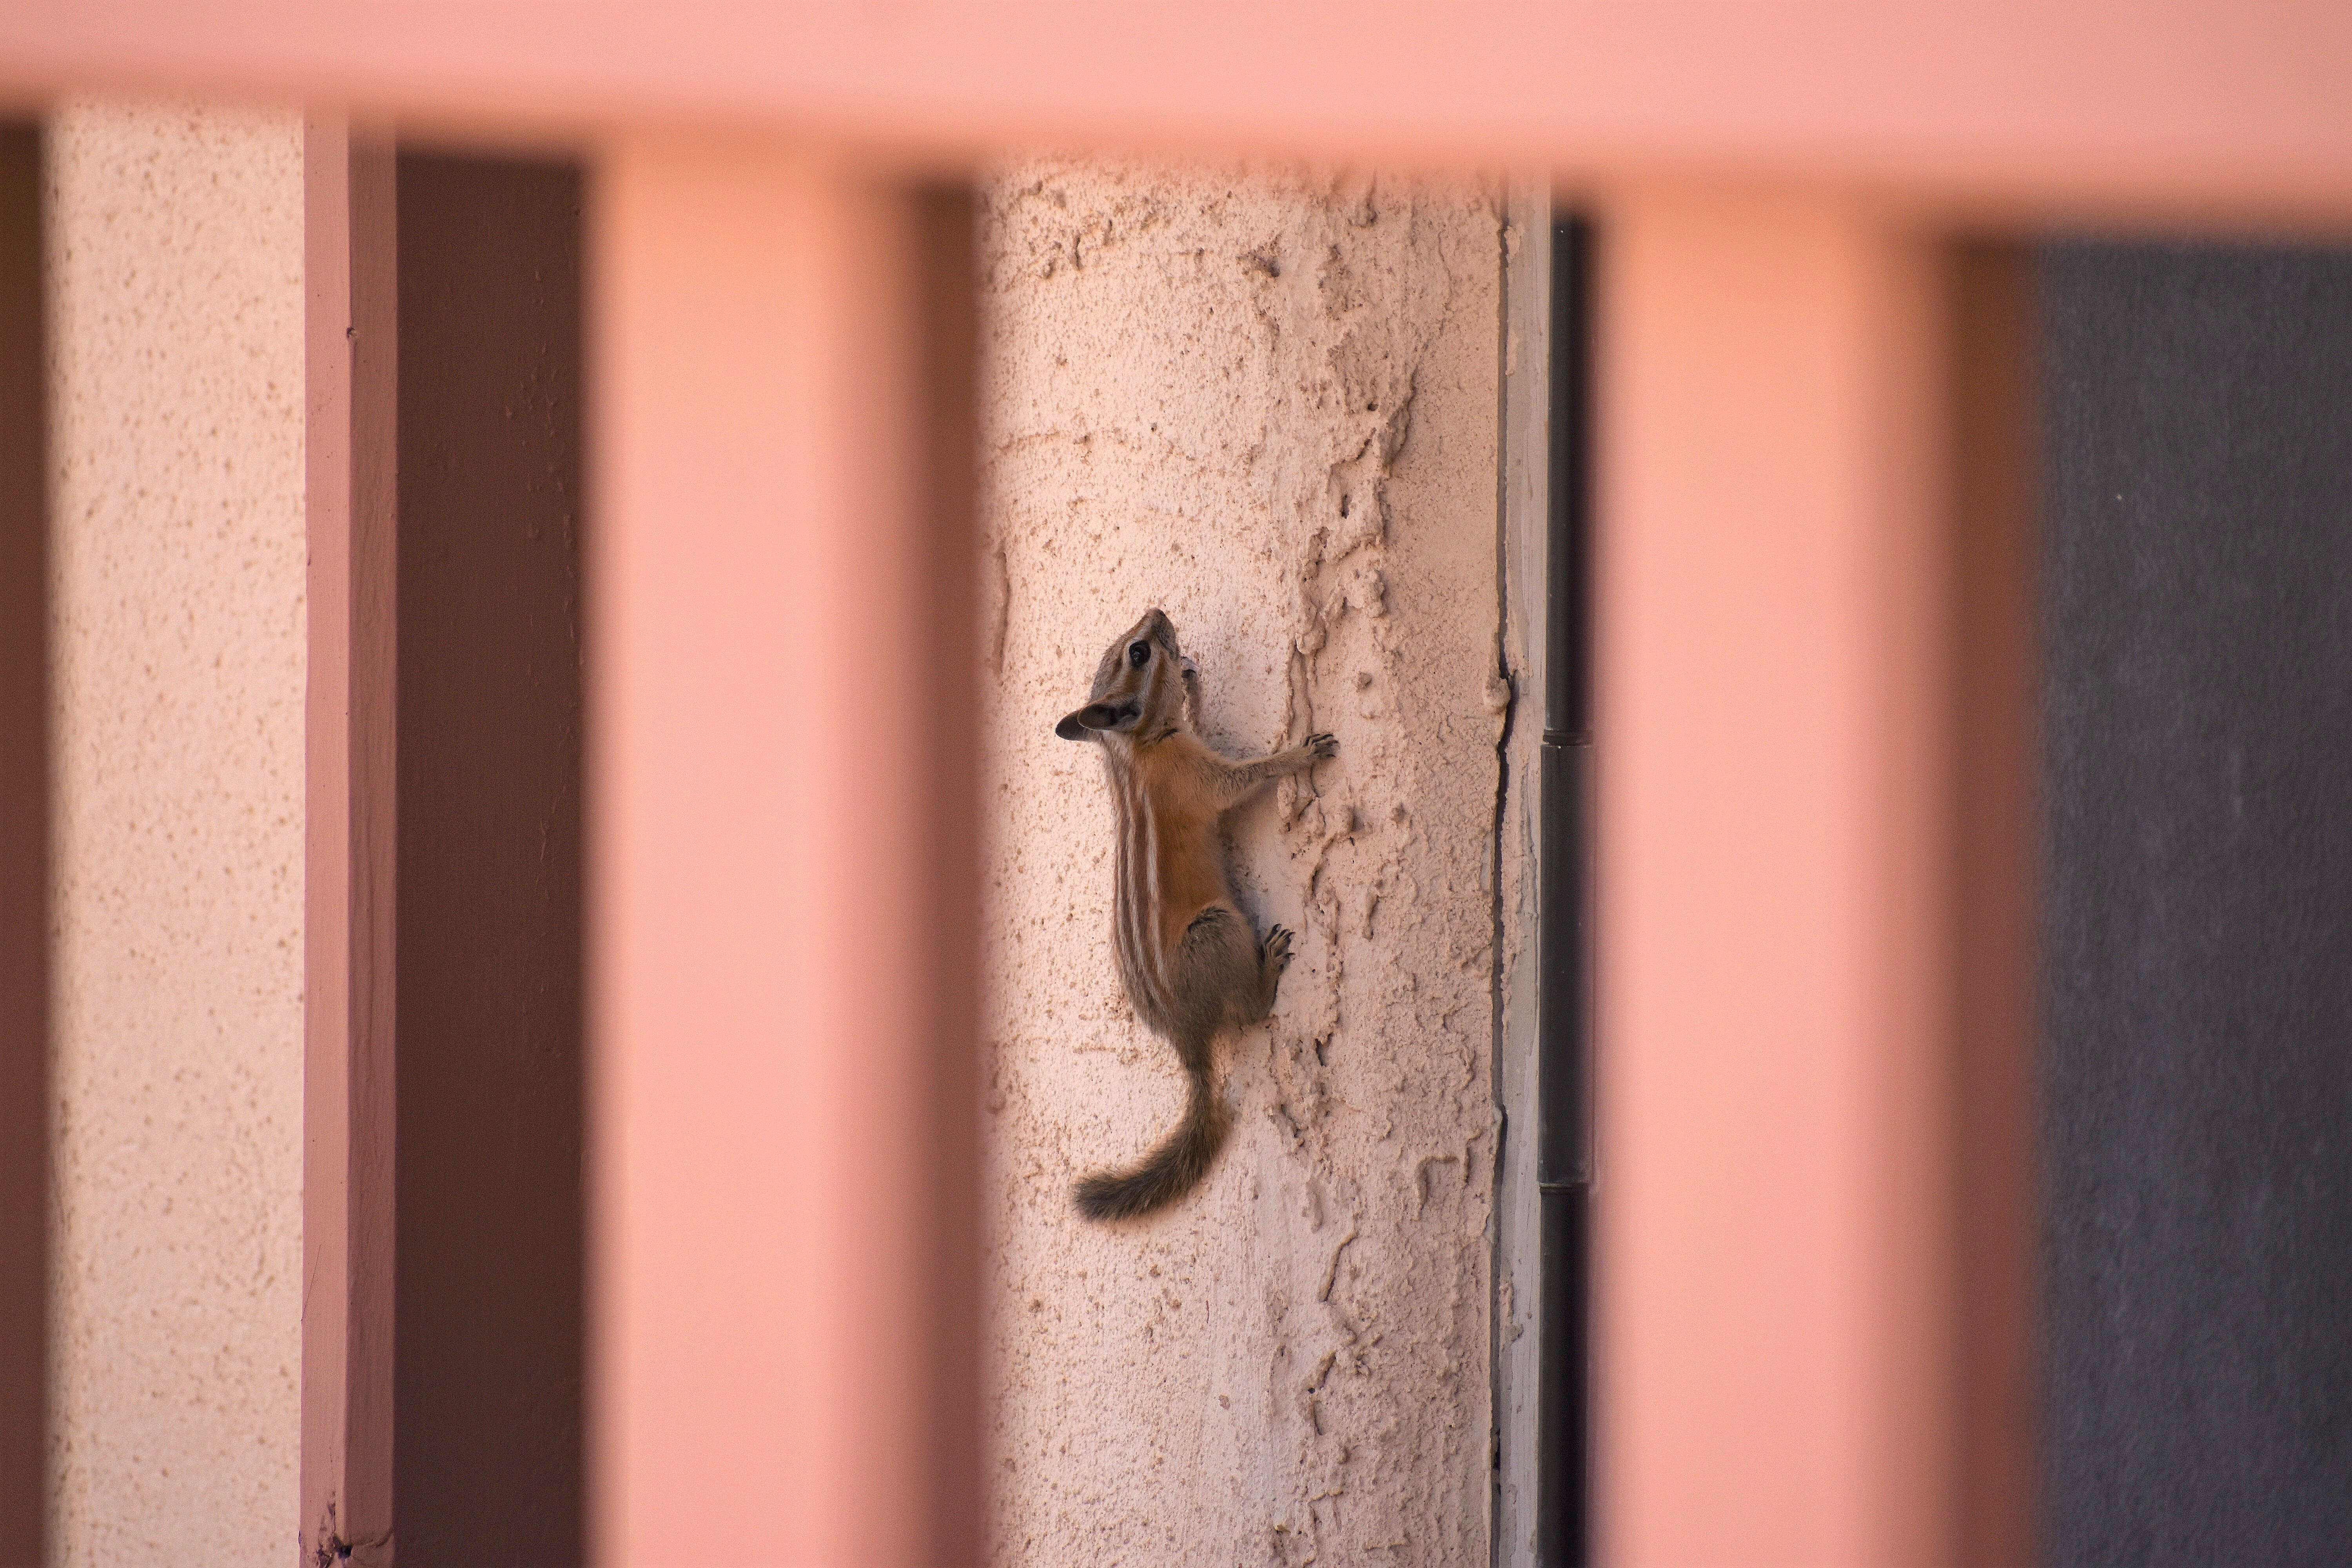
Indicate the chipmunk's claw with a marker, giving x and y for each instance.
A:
(1323, 745)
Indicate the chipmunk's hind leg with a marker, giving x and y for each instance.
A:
(1219, 972)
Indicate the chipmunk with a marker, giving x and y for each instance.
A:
(1192, 963)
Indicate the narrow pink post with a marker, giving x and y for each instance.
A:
(349, 860)
(783, 883)
(1791, 945)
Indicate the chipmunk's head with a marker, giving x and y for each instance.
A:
(1138, 687)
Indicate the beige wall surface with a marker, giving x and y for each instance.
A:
(1268, 404)
(176, 277)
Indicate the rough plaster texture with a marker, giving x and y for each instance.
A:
(1268, 404)
(176, 278)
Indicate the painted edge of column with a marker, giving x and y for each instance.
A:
(349, 864)
(1523, 572)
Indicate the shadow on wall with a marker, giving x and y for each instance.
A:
(490, 1315)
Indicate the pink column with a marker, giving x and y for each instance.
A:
(782, 883)
(1783, 1148)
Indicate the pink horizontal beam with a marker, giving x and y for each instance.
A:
(2172, 106)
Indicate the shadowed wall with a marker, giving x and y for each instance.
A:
(486, 1425)
(24, 853)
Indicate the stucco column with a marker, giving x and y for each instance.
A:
(1267, 402)
(178, 613)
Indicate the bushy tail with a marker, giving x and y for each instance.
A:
(1168, 1172)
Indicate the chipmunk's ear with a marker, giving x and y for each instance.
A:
(1094, 716)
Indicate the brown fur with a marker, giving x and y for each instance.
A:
(1187, 954)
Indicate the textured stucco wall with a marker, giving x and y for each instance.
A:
(1268, 404)
(176, 277)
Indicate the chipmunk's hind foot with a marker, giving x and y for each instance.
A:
(1274, 958)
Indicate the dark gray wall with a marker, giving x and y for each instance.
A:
(489, 1312)
(2198, 1073)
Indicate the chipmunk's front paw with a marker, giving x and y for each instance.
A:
(1323, 745)
(1278, 948)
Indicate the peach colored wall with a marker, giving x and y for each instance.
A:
(1268, 404)
(175, 253)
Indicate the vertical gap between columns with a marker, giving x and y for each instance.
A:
(1990, 359)
(24, 853)
(1564, 1153)
(489, 1307)
(947, 348)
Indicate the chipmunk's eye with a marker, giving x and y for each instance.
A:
(1139, 653)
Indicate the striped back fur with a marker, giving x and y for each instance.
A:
(1171, 879)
